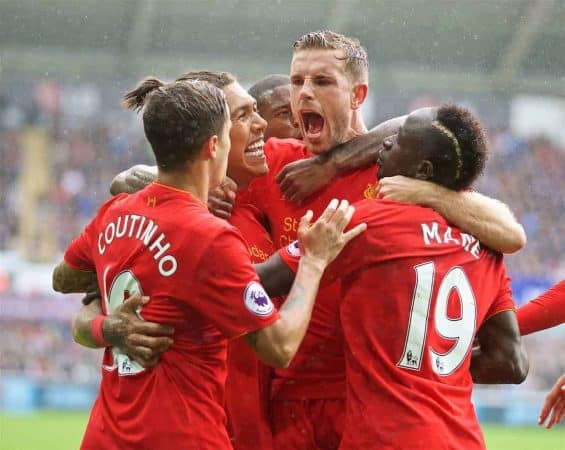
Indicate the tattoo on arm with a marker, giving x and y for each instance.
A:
(67, 280)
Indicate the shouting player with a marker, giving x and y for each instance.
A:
(415, 292)
(164, 243)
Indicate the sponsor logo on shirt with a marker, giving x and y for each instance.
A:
(257, 300)
(293, 249)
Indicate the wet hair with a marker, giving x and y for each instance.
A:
(461, 144)
(178, 117)
(356, 60)
(265, 86)
(218, 79)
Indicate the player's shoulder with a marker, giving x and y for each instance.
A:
(284, 150)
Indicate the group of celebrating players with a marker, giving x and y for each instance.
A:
(253, 328)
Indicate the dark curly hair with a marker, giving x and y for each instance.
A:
(462, 152)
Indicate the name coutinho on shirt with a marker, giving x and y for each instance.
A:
(431, 234)
(133, 226)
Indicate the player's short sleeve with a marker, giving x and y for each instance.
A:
(79, 254)
(229, 291)
(503, 300)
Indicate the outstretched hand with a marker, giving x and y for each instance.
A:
(554, 404)
(142, 341)
(324, 239)
(300, 179)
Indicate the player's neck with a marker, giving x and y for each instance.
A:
(358, 126)
(193, 180)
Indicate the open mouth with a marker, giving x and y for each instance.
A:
(313, 124)
(255, 150)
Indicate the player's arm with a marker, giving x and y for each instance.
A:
(276, 276)
(500, 357)
(67, 280)
(133, 179)
(545, 311)
(277, 343)
(488, 219)
(300, 179)
(141, 340)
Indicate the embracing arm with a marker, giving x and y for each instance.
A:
(143, 341)
(302, 178)
(488, 219)
(500, 357)
(68, 280)
(133, 179)
(276, 277)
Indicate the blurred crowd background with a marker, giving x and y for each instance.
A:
(63, 137)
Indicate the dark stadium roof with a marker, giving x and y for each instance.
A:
(470, 45)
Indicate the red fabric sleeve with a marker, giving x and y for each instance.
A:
(545, 311)
(229, 291)
(504, 300)
(79, 253)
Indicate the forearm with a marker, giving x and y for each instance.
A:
(363, 150)
(489, 220)
(82, 324)
(278, 344)
(68, 280)
(133, 179)
(496, 367)
(276, 277)
(545, 311)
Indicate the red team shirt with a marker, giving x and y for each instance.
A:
(318, 369)
(415, 291)
(545, 311)
(248, 382)
(164, 243)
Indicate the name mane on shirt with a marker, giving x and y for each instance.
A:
(431, 236)
(138, 227)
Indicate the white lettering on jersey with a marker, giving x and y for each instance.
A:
(166, 263)
(431, 236)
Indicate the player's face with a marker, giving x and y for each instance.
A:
(401, 153)
(321, 98)
(222, 151)
(246, 158)
(275, 109)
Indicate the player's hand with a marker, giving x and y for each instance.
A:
(142, 341)
(324, 239)
(300, 179)
(404, 189)
(554, 404)
(222, 198)
(133, 179)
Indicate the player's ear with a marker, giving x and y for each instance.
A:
(425, 170)
(358, 95)
(209, 150)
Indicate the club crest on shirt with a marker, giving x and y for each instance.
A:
(293, 249)
(257, 300)
(370, 191)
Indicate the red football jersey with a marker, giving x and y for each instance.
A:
(545, 311)
(164, 243)
(415, 291)
(248, 381)
(318, 369)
